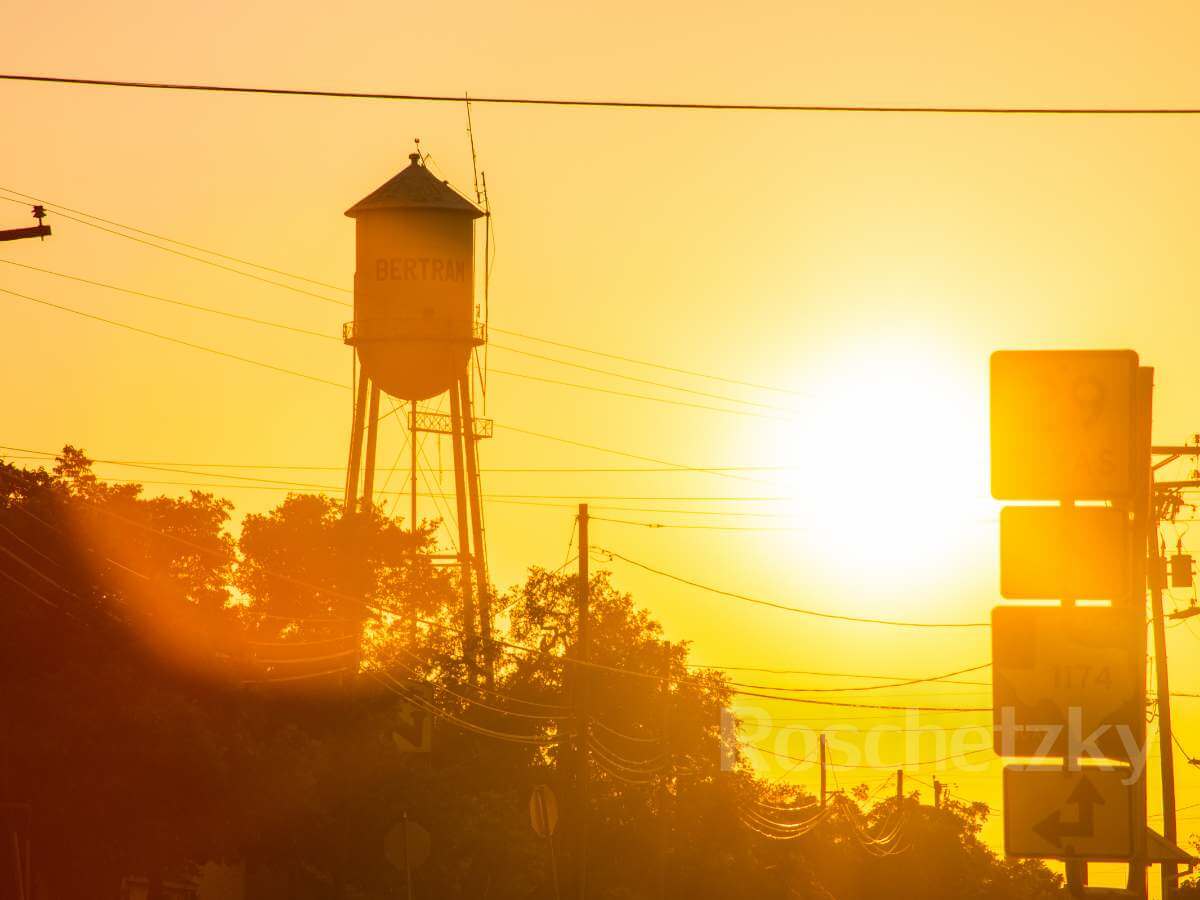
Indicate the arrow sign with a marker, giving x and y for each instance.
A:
(1052, 813)
(1085, 797)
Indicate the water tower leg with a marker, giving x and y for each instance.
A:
(372, 440)
(457, 434)
(412, 451)
(471, 445)
(356, 435)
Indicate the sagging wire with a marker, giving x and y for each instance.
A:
(433, 710)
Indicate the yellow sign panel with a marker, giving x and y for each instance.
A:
(1067, 680)
(1062, 424)
(1050, 813)
(1064, 552)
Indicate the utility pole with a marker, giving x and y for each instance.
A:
(899, 786)
(664, 803)
(937, 793)
(582, 699)
(821, 741)
(1167, 870)
(40, 230)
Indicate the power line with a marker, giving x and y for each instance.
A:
(180, 303)
(686, 526)
(304, 331)
(338, 490)
(616, 104)
(171, 240)
(60, 209)
(894, 765)
(562, 660)
(200, 259)
(562, 362)
(680, 498)
(492, 370)
(868, 687)
(487, 470)
(642, 362)
(320, 380)
(627, 455)
(175, 340)
(793, 609)
(846, 704)
(770, 671)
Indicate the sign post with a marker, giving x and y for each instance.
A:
(407, 846)
(1069, 681)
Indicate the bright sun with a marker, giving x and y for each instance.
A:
(890, 457)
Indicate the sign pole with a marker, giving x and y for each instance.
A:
(554, 867)
(407, 860)
(821, 739)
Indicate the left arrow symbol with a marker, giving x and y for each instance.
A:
(1086, 798)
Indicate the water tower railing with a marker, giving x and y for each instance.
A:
(412, 329)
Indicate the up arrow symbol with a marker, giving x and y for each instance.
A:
(1086, 798)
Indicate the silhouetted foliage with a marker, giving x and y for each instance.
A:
(172, 696)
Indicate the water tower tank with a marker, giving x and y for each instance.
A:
(414, 314)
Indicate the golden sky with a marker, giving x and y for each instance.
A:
(869, 262)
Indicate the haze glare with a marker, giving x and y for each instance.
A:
(862, 266)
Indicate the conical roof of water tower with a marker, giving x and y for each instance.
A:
(415, 187)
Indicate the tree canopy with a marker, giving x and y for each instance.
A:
(175, 693)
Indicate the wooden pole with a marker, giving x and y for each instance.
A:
(821, 741)
(582, 698)
(664, 803)
(1168, 871)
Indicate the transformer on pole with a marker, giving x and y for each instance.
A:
(414, 330)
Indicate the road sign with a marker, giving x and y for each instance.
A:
(1062, 424)
(1060, 552)
(543, 811)
(1050, 813)
(412, 730)
(1066, 675)
(407, 845)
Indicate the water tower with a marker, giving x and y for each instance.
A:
(414, 331)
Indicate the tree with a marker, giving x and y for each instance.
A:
(168, 700)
